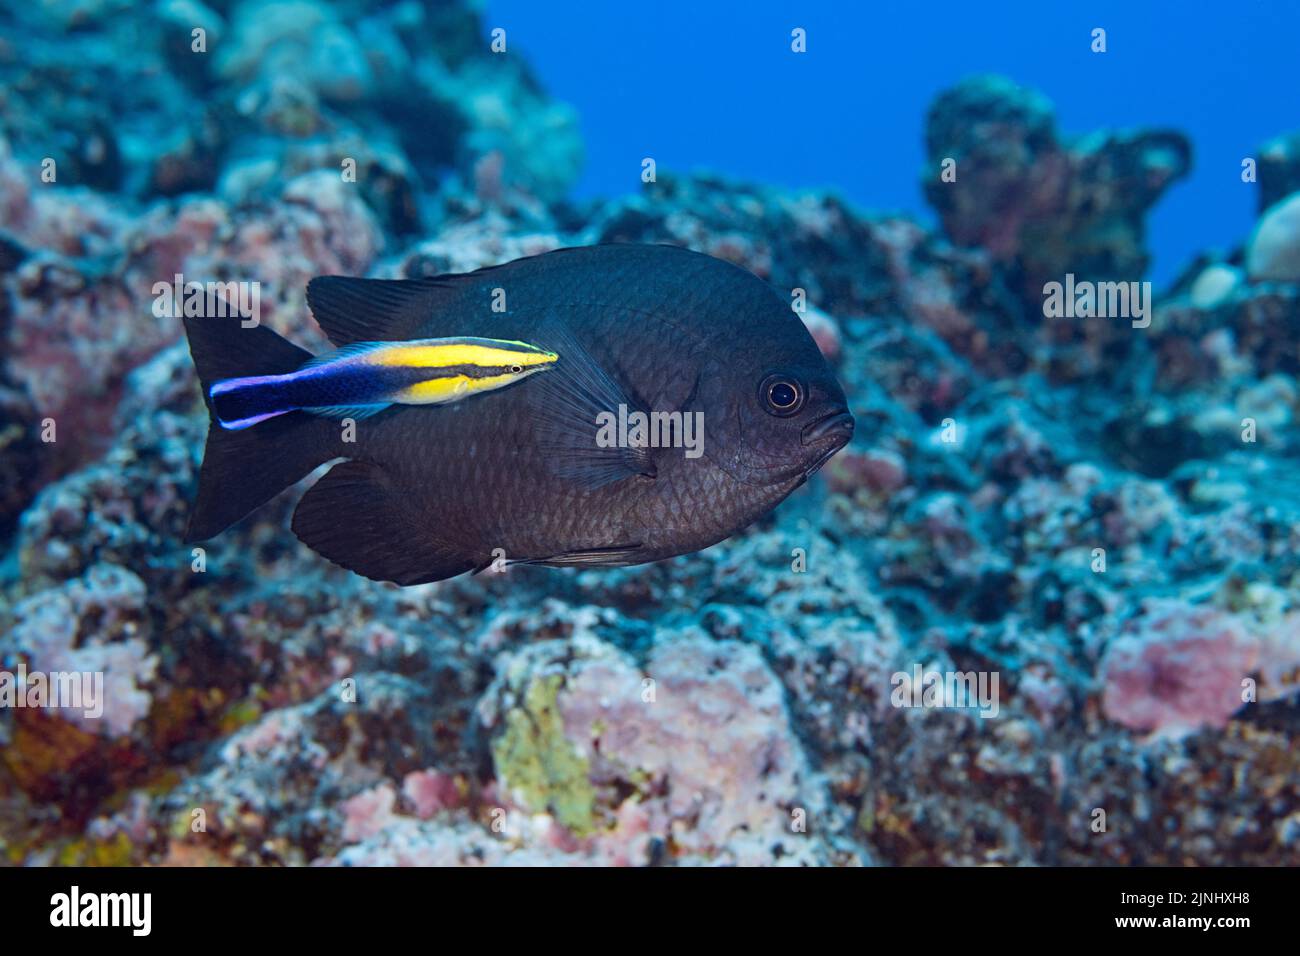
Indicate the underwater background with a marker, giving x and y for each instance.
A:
(1091, 513)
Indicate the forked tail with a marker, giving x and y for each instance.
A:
(244, 469)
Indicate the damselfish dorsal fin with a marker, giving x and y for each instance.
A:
(374, 310)
(385, 310)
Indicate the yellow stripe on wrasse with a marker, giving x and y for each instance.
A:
(484, 353)
(452, 369)
(452, 388)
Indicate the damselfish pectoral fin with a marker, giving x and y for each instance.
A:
(577, 407)
(355, 517)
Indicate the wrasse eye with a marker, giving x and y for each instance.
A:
(781, 395)
(516, 369)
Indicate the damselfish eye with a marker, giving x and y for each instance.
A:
(782, 395)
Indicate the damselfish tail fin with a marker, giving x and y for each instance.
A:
(243, 470)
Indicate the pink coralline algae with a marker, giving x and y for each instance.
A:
(431, 791)
(1179, 668)
(89, 626)
(691, 753)
(878, 471)
(366, 814)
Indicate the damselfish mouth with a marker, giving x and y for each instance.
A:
(837, 424)
(834, 430)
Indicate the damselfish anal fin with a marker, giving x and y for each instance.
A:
(610, 557)
(355, 517)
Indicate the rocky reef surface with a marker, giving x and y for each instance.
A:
(1101, 516)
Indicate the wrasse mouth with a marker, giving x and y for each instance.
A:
(835, 425)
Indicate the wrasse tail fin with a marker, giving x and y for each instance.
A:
(355, 517)
(244, 469)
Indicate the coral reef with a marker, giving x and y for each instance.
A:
(689, 757)
(1044, 206)
(1274, 250)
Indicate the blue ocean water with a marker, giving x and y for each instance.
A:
(716, 86)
